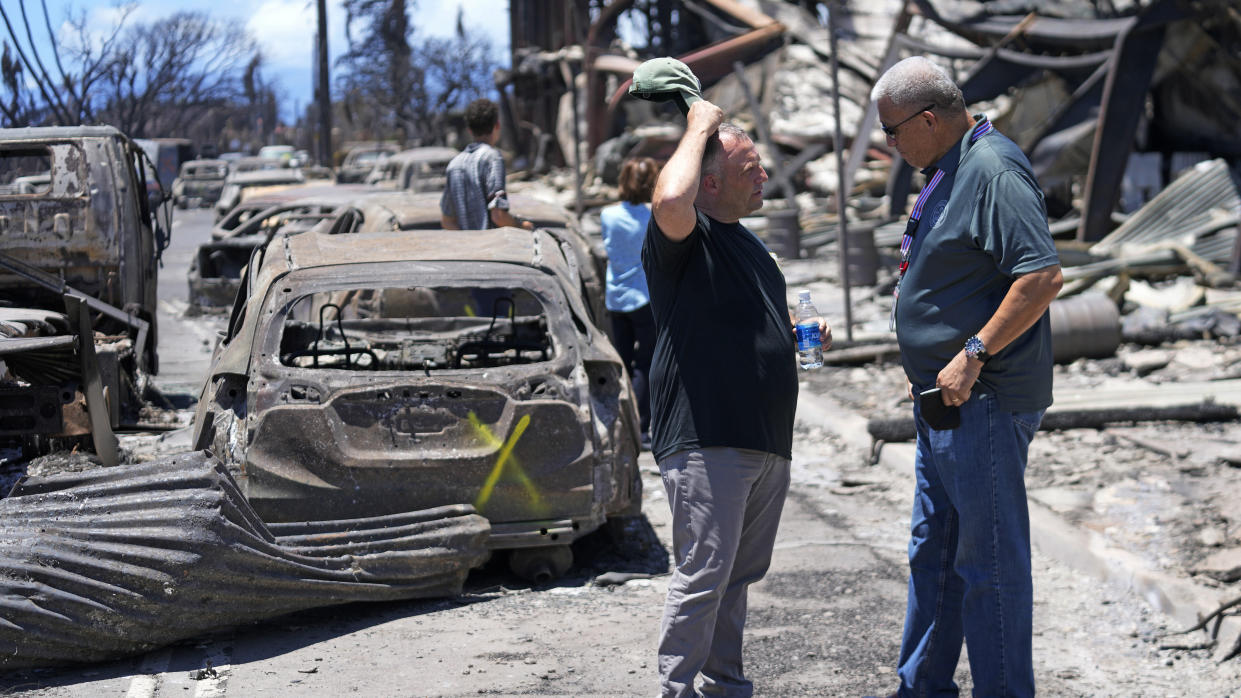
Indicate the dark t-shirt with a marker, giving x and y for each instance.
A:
(982, 226)
(724, 371)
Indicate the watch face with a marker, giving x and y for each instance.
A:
(974, 348)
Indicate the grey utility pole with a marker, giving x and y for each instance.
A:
(324, 91)
(842, 236)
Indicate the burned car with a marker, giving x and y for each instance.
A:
(79, 249)
(323, 192)
(215, 271)
(373, 373)
(199, 183)
(361, 160)
(416, 169)
(242, 182)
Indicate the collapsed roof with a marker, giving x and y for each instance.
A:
(1081, 86)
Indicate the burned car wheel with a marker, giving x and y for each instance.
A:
(541, 565)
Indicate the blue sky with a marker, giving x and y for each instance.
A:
(285, 28)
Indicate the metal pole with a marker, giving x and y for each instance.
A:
(577, 152)
(842, 235)
(325, 92)
(566, 73)
(571, 80)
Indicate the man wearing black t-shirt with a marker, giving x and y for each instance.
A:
(723, 387)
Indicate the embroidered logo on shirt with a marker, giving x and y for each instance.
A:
(937, 216)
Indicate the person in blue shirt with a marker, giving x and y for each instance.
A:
(627, 297)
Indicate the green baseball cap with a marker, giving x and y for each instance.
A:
(664, 79)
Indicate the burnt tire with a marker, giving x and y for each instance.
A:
(541, 565)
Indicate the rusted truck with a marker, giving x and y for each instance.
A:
(363, 374)
(79, 249)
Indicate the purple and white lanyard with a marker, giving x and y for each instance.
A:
(911, 227)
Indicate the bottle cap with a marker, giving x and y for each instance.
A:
(803, 294)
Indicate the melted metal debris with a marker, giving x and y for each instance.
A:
(117, 561)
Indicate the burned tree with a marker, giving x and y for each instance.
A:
(378, 75)
(145, 78)
(397, 83)
(183, 65)
(59, 97)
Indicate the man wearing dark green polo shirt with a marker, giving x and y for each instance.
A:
(977, 273)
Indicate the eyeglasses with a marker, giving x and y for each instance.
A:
(890, 131)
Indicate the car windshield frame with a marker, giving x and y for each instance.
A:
(284, 293)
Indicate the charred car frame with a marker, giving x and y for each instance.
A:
(199, 184)
(374, 373)
(78, 279)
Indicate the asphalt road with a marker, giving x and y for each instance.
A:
(185, 343)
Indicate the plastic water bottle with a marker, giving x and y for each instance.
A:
(809, 343)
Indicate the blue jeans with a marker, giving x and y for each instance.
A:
(969, 555)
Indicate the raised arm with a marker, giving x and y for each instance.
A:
(672, 204)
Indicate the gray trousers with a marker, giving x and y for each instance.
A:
(726, 505)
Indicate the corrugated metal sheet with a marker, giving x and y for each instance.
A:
(1202, 201)
(117, 561)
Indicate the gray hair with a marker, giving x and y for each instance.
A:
(916, 82)
(715, 147)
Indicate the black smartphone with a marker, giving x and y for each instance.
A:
(936, 414)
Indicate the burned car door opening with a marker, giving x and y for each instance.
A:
(25, 170)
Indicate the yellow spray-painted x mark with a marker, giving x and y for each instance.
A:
(504, 457)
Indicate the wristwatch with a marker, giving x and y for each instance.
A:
(975, 350)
